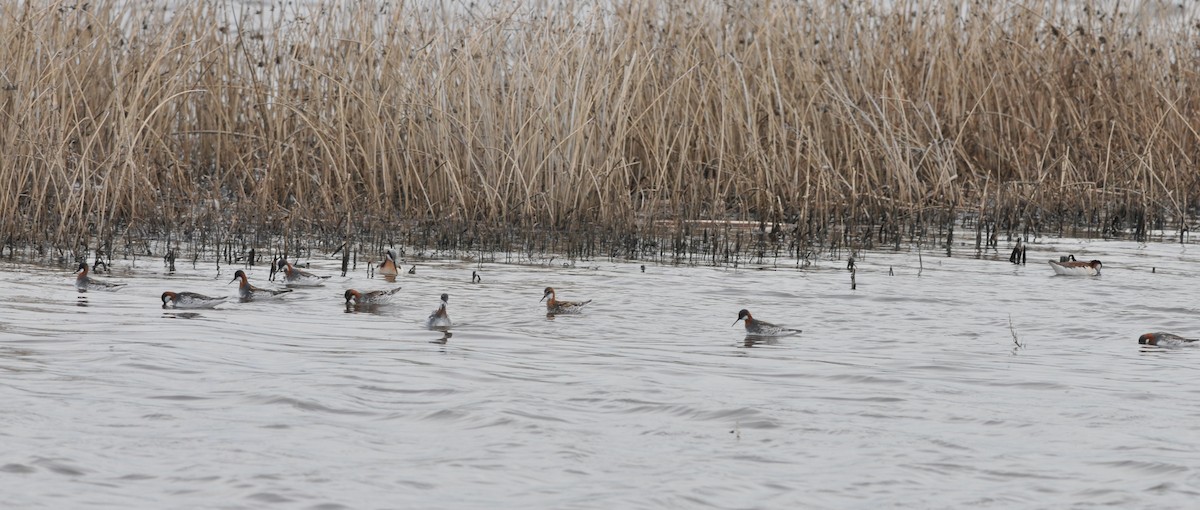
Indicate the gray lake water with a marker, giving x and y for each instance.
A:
(906, 392)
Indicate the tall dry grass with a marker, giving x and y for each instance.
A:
(186, 118)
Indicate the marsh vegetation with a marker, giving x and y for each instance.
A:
(617, 128)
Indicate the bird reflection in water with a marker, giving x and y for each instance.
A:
(757, 340)
(445, 338)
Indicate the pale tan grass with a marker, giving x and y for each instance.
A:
(831, 117)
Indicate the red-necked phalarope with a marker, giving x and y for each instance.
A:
(374, 297)
(553, 305)
(389, 266)
(298, 277)
(249, 292)
(762, 328)
(439, 319)
(83, 282)
(1166, 340)
(189, 300)
(1072, 267)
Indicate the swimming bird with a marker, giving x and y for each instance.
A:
(762, 328)
(1165, 340)
(439, 319)
(553, 305)
(83, 282)
(1072, 267)
(374, 297)
(298, 277)
(389, 265)
(475, 278)
(189, 300)
(249, 292)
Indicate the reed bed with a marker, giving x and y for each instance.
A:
(610, 128)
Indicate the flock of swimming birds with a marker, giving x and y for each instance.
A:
(439, 319)
(293, 277)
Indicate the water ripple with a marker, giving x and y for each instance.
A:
(908, 391)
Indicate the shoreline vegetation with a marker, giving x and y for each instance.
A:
(626, 128)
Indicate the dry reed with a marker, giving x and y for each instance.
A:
(832, 122)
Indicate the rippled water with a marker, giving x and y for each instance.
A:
(907, 391)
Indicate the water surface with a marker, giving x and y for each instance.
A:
(908, 391)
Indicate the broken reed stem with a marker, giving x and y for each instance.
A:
(821, 116)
